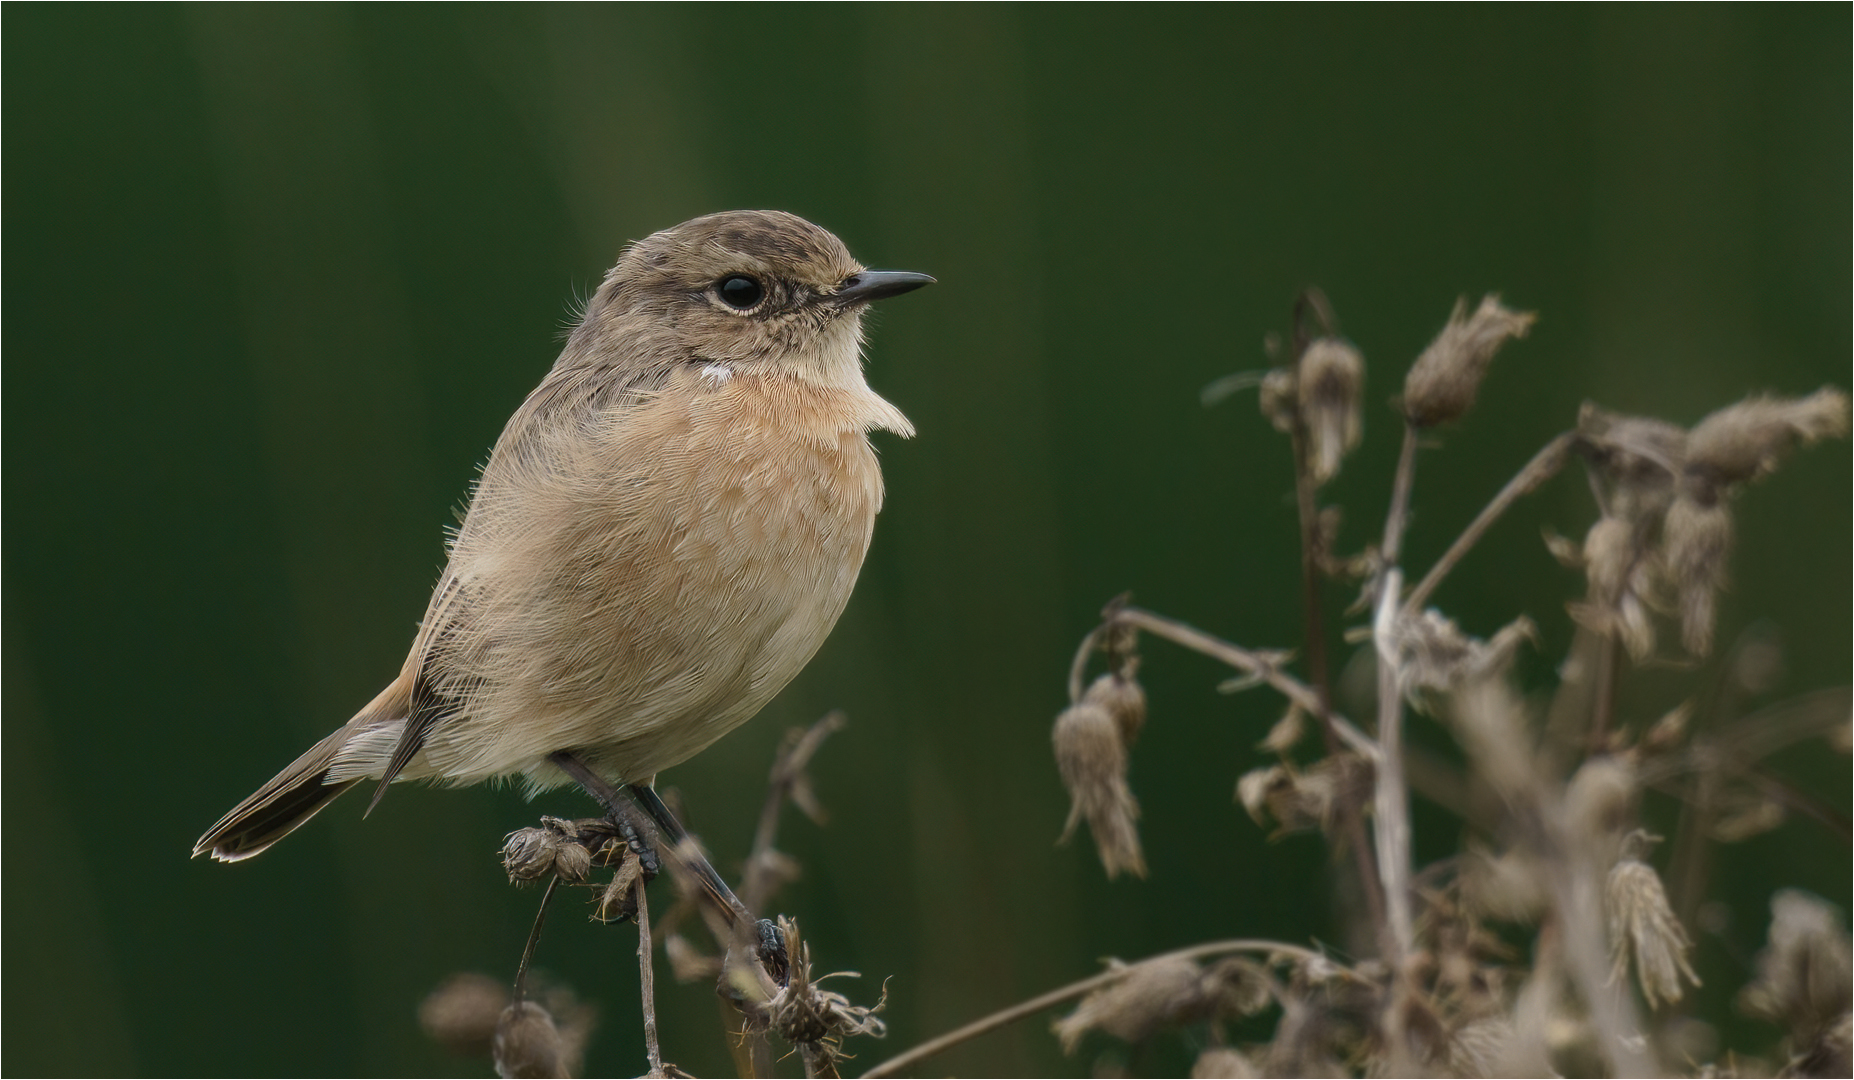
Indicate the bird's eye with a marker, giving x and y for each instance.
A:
(740, 292)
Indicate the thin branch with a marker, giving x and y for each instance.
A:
(534, 940)
(786, 781)
(1078, 668)
(647, 979)
(1392, 798)
(1245, 660)
(1313, 304)
(1544, 465)
(1014, 1013)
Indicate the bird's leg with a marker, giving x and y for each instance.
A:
(620, 811)
(762, 937)
(766, 940)
(648, 801)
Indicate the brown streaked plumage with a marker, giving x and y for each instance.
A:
(665, 533)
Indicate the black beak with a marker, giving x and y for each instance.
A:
(877, 285)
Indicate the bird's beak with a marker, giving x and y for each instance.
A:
(860, 288)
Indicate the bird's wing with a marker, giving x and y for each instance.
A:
(571, 394)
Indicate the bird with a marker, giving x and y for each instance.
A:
(661, 539)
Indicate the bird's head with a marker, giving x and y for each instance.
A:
(745, 290)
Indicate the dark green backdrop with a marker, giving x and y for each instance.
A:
(274, 277)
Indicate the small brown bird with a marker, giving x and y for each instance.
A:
(664, 535)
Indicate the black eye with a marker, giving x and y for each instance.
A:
(740, 292)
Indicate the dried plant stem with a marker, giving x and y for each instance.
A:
(1247, 661)
(1314, 621)
(787, 771)
(1014, 1013)
(1392, 799)
(534, 940)
(647, 979)
(1576, 897)
(1603, 698)
(1544, 465)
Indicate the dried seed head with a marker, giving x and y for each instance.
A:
(1745, 441)
(1331, 384)
(527, 1044)
(1609, 555)
(528, 854)
(618, 900)
(1310, 799)
(1435, 656)
(688, 963)
(815, 1019)
(1121, 695)
(1669, 732)
(1491, 723)
(1830, 1053)
(1509, 887)
(557, 846)
(1241, 986)
(1599, 807)
(1620, 579)
(1695, 539)
(572, 862)
(1278, 399)
(461, 1015)
(1639, 457)
(1743, 813)
(1641, 923)
(1286, 732)
(1252, 789)
(1151, 996)
(1092, 759)
(1222, 1063)
(1804, 972)
(1442, 383)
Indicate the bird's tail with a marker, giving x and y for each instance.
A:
(309, 783)
(292, 797)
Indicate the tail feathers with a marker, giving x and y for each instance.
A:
(292, 797)
(330, 767)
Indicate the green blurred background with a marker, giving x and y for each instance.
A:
(274, 277)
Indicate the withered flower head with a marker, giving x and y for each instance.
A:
(1223, 1063)
(1331, 389)
(1804, 972)
(814, 1019)
(1309, 799)
(1638, 457)
(1286, 731)
(557, 846)
(1599, 807)
(462, 1014)
(1443, 381)
(1745, 441)
(527, 1044)
(1279, 401)
(1164, 992)
(1621, 578)
(1509, 886)
(1609, 555)
(1092, 758)
(1437, 657)
(1695, 540)
(1120, 694)
(529, 853)
(1643, 924)
(618, 900)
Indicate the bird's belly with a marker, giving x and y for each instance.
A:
(678, 601)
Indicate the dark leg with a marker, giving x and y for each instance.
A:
(622, 813)
(624, 810)
(647, 800)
